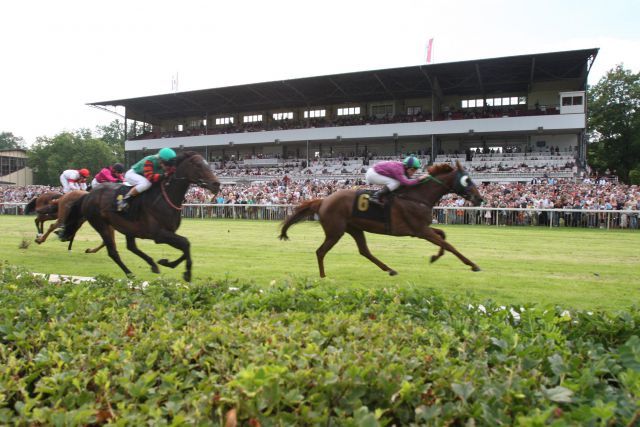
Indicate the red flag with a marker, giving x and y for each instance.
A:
(429, 48)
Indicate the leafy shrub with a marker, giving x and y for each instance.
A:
(304, 353)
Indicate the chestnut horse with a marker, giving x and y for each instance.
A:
(156, 213)
(44, 208)
(410, 214)
(53, 205)
(62, 206)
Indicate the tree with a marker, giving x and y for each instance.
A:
(614, 123)
(9, 142)
(113, 135)
(50, 157)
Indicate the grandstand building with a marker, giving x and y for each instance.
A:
(507, 119)
(13, 168)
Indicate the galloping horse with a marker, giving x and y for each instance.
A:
(410, 214)
(154, 214)
(54, 206)
(45, 209)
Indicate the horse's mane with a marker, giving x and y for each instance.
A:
(439, 169)
(185, 155)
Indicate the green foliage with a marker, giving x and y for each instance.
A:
(113, 135)
(50, 157)
(305, 353)
(8, 141)
(614, 122)
(634, 177)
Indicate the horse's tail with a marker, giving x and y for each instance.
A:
(31, 206)
(304, 210)
(73, 221)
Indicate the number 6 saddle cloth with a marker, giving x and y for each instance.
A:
(363, 208)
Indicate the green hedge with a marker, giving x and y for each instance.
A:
(305, 353)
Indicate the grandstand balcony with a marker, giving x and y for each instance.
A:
(527, 125)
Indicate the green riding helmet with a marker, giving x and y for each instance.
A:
(411, 162)
(167, 154)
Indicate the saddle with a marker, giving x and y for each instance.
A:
(363, 208)
(134, 203)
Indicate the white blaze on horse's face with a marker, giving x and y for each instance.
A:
(464, 181)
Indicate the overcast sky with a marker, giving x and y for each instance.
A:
(57, 56)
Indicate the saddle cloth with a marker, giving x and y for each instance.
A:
(363, 208)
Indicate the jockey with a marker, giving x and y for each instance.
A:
(73, 179)
(147, 171)
(393, 174)
(112, 173)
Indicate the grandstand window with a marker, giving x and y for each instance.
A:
(472, 103)
(348, 111)
(179, 128)
(382, 110)
(282, 116)
(571, 100)
(252, 118)
(512, 100)
(412, 111)
(310, 114)
(224, 121)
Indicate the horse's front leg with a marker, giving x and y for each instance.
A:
(434, 237)
(131, 245)
(41, 239)
(434, 258)
(178, 242)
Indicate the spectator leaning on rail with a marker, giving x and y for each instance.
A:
(147, 171)
(73, 179)
(109, 174)
(393, 174)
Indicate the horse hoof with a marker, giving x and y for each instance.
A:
(393, 273)
(155, 269)
(475, 268)
(433, 259)
(164, 262)
(186, 276)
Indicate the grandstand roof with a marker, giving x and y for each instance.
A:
(509, 75)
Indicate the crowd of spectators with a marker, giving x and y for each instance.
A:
(450, 113)
(548, 193)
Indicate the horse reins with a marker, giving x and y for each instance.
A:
(166, 198)
(421, 202)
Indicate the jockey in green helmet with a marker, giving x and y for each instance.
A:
(393, 174)
(147, 171)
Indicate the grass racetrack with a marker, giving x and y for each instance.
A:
(573, 268)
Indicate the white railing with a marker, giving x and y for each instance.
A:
(499, 217)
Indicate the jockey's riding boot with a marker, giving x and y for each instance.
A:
(122, 202)
(378, 196)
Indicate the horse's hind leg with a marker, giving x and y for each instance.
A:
(361, 241)
(332, 234)
(39, 226)
(106, 232)
(100, 246)
(434, 258)
(434, 237)
(131, 245)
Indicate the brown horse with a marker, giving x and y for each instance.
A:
(155, 214)
(44, 208)
(62, 207)
(410, 214)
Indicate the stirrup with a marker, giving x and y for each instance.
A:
(121, 203)
(375, 198)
